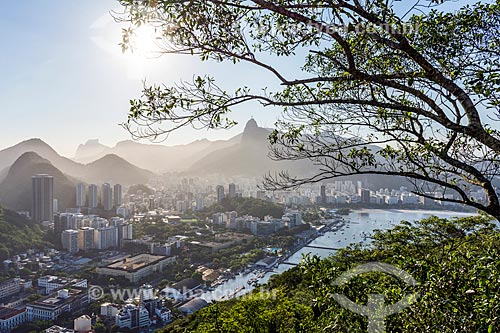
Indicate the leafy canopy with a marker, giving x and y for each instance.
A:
(455, 263)
(411, 93)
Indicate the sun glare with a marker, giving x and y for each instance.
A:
(143, 49)
(145, 42)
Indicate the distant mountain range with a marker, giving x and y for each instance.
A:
(244, 154)
(154, 157)
(108, 168)
(249, 156)
(128, 163)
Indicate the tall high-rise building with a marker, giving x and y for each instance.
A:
(80, 195)
(152, 202)
(232, 190)
(125, 231)
(323, 194)
(86, 238)
(117, 195)
(61, 222)
(199, 203)
(105, 238)
(107, 197)
(55, 206)
(220, 193)
(365, 195)
(294, 218)
(43, 198)
(69, 240)
(93, 202)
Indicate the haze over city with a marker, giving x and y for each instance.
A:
(258, 166)
(63, 67)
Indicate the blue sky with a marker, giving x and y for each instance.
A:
(65, 80)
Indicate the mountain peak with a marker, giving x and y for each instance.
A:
(32, 143)
(251, 124)
(254, 135)
(92, 142)
(109, 158)
(29, 157)
(33, 140)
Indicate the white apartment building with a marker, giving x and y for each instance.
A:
(11, 318)
(132, 316)
(51, 283)
(10, 287)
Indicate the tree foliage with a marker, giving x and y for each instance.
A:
(455, 263)
(18, 234)
(379, 91)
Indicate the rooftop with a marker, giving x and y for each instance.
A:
(186, 284)
(53, 300)
(194, 305)
(133, 264)
(6, 313)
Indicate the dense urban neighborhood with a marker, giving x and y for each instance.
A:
(250, 166)
(142, 258)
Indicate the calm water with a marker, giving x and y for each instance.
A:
(359, 224)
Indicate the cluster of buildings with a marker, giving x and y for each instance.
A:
(68, 299)
(62, 295)
(348, 192)
(190, 194)
(82, 324)
(48, 259)
(258, 227)
(44, 205)
(171, 247)
(86, 232)
(110, 196)
(141, 312)
(194, 194)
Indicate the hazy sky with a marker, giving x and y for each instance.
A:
(65, 80)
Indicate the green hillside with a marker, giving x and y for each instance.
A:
(455, 264)
(18, 234)
(16, 188)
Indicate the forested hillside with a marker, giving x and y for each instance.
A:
(17, 234)
(454, 262)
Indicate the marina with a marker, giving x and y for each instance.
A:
(354, 228)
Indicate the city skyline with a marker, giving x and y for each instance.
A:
(260, 164)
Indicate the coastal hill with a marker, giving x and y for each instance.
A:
(16, 188)
(114, 169)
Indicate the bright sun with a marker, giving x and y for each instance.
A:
(144, 41)
(143, 48)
